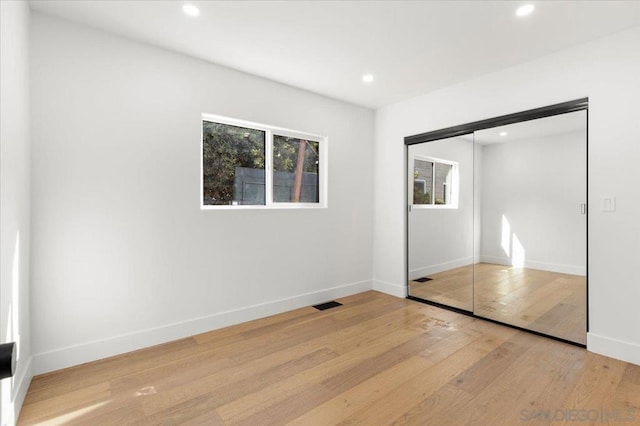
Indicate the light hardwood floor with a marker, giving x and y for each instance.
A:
(376, 360)
(548, 302)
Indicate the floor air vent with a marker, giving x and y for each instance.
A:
(327, 305)
(423, 280)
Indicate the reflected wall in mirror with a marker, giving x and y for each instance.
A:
(531, 187)
(440, 221)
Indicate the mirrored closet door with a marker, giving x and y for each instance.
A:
(497, 223)
(440, 221)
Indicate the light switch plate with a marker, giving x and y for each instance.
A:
(609, 204)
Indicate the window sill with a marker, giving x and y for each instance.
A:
(275, 206)
(433, 207)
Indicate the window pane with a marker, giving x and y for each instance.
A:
(233, 165)
(443, 175)
(295, 170)
(422, 182)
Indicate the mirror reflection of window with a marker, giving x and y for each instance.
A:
(433, 182)
(443, 173)
(422, 182)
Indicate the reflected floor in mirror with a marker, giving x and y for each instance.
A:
(452, 288)
(548, 302)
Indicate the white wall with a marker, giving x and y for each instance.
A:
(14, 204)
(122, 255)
(442, 238)
(608, 72)
(535, 188)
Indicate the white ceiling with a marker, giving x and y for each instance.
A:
(411, 47)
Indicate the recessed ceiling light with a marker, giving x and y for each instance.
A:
(191, 10)
(367, 78)
(525, 10)
(503, 134)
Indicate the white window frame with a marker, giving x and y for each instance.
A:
(268, 146)
(455, 179)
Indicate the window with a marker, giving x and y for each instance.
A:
(248, 165)
(435, 182)
(233, 161)
(295, 170)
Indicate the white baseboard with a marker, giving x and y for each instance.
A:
(18, 387)
(625, 351)
(23, 386)
(391, 289)
(533, 264)
(98, 349)
(440, 267)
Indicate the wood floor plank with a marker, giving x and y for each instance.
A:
(501, 402)
(210, 418)
(375, 360)
(475, 379)
(363, 394)
(225, 391)
(597, 386)
(288, 388)
(443, 403)
(448, 345)
(75, 378)
(403, 398)
(60, 405)
(198, 376)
